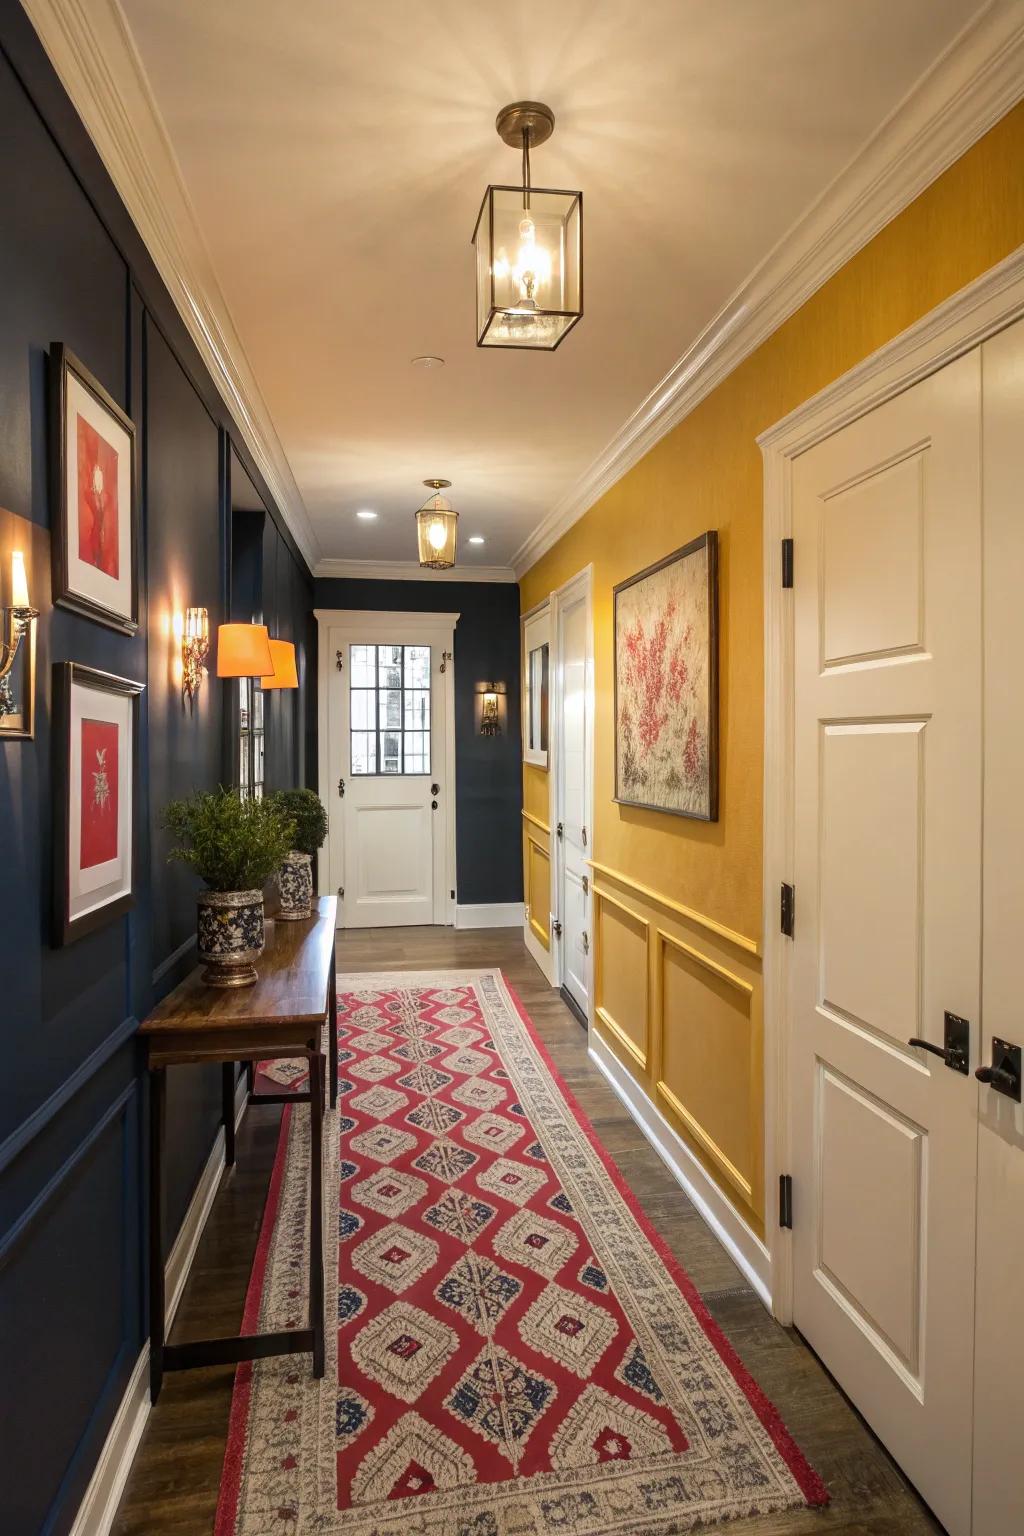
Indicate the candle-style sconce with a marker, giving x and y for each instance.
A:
(490, 709)
(17, 618)
(195, 648)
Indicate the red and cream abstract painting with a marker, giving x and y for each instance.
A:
(99, 827)
(98, 512)
(665, 685)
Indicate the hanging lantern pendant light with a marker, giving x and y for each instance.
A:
(437, 524)
(529, 259)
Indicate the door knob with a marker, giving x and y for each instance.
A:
(435, 789)
(341, 787)
(1004, 1075)
(433, 805)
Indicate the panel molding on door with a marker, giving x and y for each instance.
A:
(887, 822)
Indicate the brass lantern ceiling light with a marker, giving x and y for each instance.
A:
(529, 255)
(437, 524)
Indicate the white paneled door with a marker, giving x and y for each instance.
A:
(389, 770)
(572, 769)
(887, 526)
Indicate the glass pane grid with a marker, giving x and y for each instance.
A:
(389, 709)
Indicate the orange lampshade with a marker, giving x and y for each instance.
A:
(285, 673)
(243, 650)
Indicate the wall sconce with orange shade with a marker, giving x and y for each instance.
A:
(195, 647)
(243, 650)
(18, 618)
(285, 673)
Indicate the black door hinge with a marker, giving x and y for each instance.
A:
(787, 562)
(787, 909)
(786, 1200)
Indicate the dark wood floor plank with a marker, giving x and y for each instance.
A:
(172, 1490)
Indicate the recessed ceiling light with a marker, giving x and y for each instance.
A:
(428, 361)
(476, 538)
(366, 515)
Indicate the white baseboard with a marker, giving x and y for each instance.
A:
(489, 914)
(743, 1246)
(99, 1506)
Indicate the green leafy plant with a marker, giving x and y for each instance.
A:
(305, 808)
(232, 844)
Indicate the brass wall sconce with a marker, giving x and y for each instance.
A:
(490, 709)
(18, 618)
(195, 648)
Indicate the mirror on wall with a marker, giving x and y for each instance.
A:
(536, 688)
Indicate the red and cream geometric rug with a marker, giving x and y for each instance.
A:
(516, 1352)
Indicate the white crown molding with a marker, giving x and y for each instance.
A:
(91, 48)
(968, 89)
(409, 570)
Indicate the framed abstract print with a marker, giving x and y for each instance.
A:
(95, 513)
(96, 720)
(666, 684)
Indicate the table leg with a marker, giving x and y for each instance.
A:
(227, 1095)
(157, 1300)
(332, 1029)
(316, 1211)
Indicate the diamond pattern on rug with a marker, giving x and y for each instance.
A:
(403, 1349)
(381, 1103)
(509, 1350)
(494, 1131)
(388, 1192)
(479, 1094)
(511, 1180)
(383, 1143)
(501, 1400)
(479, 1291)
(568, 1328)
(535, 1242)
(395, 1257)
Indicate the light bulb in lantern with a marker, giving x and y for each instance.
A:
(531, 269)
(437, 534)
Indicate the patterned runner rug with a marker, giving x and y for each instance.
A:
(512, 1351)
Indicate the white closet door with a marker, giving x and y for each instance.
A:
(887, 543)
(999, 1360)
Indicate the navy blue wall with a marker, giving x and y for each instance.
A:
(72, 1097)
(488, 769)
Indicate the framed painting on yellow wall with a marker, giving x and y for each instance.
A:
(666, 684)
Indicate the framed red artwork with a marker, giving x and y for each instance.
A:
(96, 716)
(95, 512)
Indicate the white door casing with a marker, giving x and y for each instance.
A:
(887, 734)
(391, 838)
(572, 750)
(999, 1336)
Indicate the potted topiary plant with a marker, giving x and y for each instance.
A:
(295, 877)
(234, 845)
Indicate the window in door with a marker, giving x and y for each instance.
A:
(389, 709)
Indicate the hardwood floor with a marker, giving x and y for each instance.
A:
(172, 1489)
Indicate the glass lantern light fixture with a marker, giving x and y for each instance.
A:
(528, 243)
(437, 524)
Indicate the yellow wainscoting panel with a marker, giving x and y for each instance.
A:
(709, 1072)
(538, 888)
(621, 989)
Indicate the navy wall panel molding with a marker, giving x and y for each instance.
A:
(488, 769)
(72, 1094)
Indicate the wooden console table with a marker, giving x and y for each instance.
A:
(282, 1015)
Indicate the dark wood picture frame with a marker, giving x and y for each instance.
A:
(65, 675)
(709, 542)
(62, 362)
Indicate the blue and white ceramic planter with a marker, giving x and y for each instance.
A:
(231, 937)
(295, 883)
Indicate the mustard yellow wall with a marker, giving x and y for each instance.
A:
(707, 474)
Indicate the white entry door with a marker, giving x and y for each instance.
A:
(888, 824)
(572, 768)
(390, 770)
